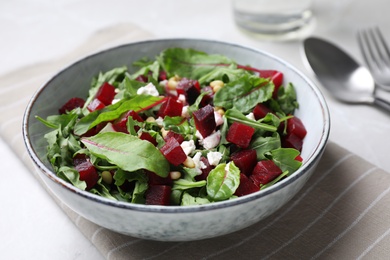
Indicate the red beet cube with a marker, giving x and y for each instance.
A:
(261, 111)
(205, 171)
(86, 170)
(147, 137)
(106, 93)
(245, 160)
(205, 120)
(162, 76)
(189, 88)
(120, 125)
(71, 104)
(240, 134)
(173, 152)
(179, 138)
(94, 130)
(171, 107)
(154, 179)
(208, 98)
(246, 186)
(264, 172)
(142, 78)
(296, 127)
(158, 195)
(292, 141)
(276, 77)
(95, 104)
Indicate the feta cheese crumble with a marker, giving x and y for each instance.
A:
(214, 158)
(149, 89)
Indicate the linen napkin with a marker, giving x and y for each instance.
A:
(341, 213)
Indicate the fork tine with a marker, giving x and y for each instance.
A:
(385, 55)
(366, 49)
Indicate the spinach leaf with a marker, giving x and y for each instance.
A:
(189, 63)
(284, 158)
(244, 93)
(223, 181)
(114, 111)
(128, 152)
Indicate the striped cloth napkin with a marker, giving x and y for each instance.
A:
(342, 212)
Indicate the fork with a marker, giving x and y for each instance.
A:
(376, 54)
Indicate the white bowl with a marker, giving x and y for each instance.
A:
(174, 223)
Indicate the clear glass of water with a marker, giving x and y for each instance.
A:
(274, 19)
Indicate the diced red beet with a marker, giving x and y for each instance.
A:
(205, 171)
(245, 160)
(147, 137)
(173, 152)
(264, 172)
(120, 125)
(246, 186)
(95, 104)
(205, 120)
(299, 158)
(179, 138)
(158, 195)
(86, 170)
(292, 141)
(162, 76)
(94, 130)
(72, 104)
(171, 107)
(276, 77)
(142, 78)
(240, 134)
(106, 93)
(296, 127)
(154, 179)
(207, 98)
(261, 111)
(190, 88)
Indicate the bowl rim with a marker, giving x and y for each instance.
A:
(310, 161)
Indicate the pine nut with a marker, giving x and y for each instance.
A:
(107, 177)
(189, 163)
(175, 175)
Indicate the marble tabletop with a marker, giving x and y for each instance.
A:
(32, 226)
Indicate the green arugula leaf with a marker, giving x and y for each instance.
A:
(188, 200)
(223, 181)
(128, 152)
(72, 176)
(264, 144)
(233, 115)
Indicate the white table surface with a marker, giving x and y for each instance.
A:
(40, 30)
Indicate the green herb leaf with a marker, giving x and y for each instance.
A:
(284, 158)
(264, 144)
(244, 93)
(114, 111)
(128, 152)
(190, 63)
(223, 181)
(233, 115)
(188, 200)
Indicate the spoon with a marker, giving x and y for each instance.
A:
(341, 75)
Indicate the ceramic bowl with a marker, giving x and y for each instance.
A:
(174, 223)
